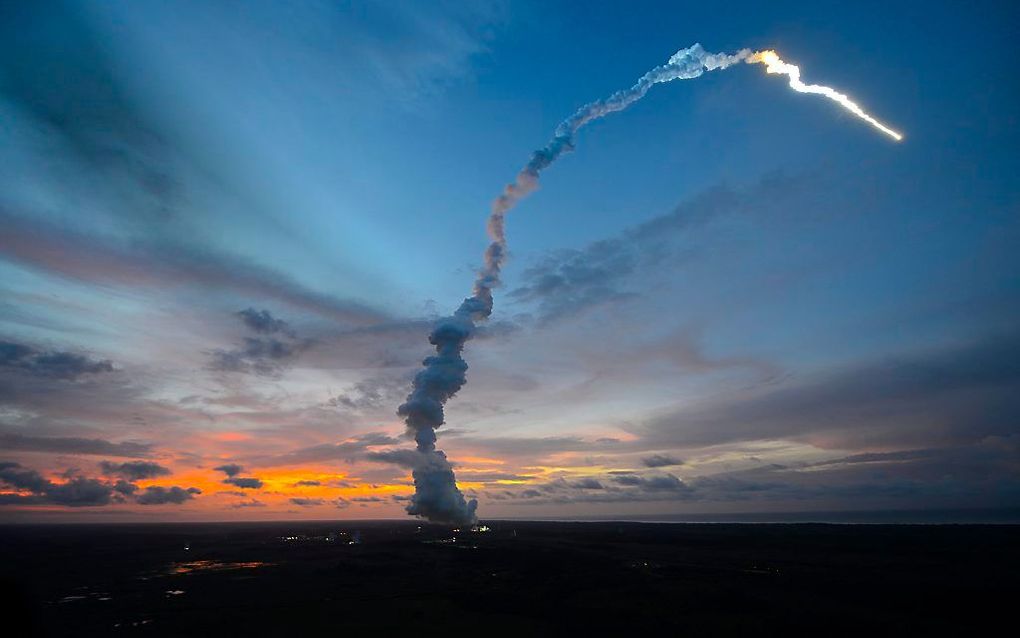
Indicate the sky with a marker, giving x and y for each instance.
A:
(228, 227)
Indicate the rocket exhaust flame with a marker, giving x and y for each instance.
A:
(436, 496)
(774, 64)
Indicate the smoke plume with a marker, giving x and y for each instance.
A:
(436, 496)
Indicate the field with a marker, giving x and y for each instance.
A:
(517, 578)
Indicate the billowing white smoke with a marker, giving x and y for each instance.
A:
(436, 495)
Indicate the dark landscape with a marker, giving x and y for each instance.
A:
(515, 578)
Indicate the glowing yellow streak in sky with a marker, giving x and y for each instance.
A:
(773, 64)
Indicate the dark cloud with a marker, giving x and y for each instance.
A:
(134, 470)
(347, 450)
(367, 499)
(230, 469)
(263, 356)
(12, 354)
(249, 503)
(48, 406)
(125, 488)
(307, 483)
(393, 345)
(537, 447)
(983, 474)
(18, 499)
(22, 478)
(628, 479)
(650, 483)
(12, 441)
(615, 488)
(267, 348)
(307, 502)
(404, 458)
(569, 282)
(263, 322)
(53, 364)
(81, 491)
(876, 457)
(471, 476)
(158, 495)
(374, 393)
(75, 492)
(342, 503)
(661, 460)
(244, 482)
(946, 396)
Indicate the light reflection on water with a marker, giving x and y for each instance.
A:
(211, 565)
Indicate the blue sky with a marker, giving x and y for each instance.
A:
(795, 312)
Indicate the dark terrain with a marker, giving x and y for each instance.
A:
(520, 578)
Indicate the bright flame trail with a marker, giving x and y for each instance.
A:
(774, 64)
(436, 496)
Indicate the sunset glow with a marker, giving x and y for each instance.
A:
(286, 263)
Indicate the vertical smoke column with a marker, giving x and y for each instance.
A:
(436, 495)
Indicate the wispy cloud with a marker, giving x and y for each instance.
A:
(958, 394)
(81, 491)
(14, 441)
(145, 263)
(134, 470)
(54, 364)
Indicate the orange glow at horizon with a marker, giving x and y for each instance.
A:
(229, 437)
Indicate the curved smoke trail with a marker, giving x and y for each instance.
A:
(436, 495)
